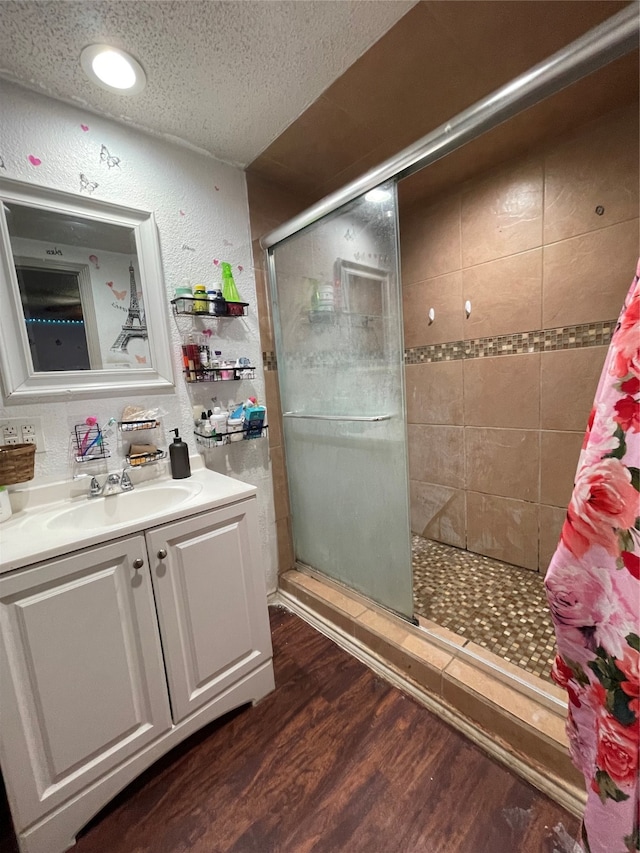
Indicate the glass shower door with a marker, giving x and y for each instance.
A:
(338, 327)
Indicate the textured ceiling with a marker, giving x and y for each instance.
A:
(226, 77)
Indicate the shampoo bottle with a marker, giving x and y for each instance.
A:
(179, 458)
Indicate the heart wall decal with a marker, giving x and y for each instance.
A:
(216, 261)
(35, 161)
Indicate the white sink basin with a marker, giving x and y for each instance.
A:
(53, 520)
(123, 507)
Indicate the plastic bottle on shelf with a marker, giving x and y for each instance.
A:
(205, 355)
(190, 358)
(217, 303)
(200, 302)
(205, 426)
(230, 292)
(183, 296)
(218, 421)
(235, 421)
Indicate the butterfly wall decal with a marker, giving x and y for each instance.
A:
(107, 158)
(141, 359)
(86, 184)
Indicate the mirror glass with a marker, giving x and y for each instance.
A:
(77, 277)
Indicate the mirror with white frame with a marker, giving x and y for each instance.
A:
(83, 303)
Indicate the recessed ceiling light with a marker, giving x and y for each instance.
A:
(377, 195)
(112, 69)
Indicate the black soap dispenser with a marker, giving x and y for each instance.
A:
(179, 457)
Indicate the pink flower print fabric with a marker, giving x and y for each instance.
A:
(593, 589)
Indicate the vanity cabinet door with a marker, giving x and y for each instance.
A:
(82, 684)
(211, 601)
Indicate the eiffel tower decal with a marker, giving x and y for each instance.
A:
(136, 313)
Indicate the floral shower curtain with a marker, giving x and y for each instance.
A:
(593, 588)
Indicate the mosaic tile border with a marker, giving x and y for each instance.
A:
(520, 343)
(269, 360)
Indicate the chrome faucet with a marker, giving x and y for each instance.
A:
(113, 485)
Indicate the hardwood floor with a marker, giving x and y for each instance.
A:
(334, 760)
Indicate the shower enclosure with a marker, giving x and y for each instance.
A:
(335, 291)
(339, 345)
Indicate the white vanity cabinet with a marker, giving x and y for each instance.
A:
(81, 674)
(111, 655)
(211, 604)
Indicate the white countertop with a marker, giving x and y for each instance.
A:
(31, 534)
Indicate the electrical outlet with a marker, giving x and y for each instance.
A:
(23, 431)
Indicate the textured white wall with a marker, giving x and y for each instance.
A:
(201, 210)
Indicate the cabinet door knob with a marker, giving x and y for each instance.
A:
(162, 553)
(138, 563)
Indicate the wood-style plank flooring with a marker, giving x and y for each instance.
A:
(334, 760)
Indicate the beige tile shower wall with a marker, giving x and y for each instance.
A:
(494, 441)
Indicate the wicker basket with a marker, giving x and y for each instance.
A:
(16, 463)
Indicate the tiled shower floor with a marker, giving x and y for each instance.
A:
(498, 606)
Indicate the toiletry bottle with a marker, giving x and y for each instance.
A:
(230, 292)
(204, 355)
(183, 293)
(235, 421)
(217, 303)
(219, 423)
(190, 358)
(179, 458)
(5, 504)
(200, 303)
